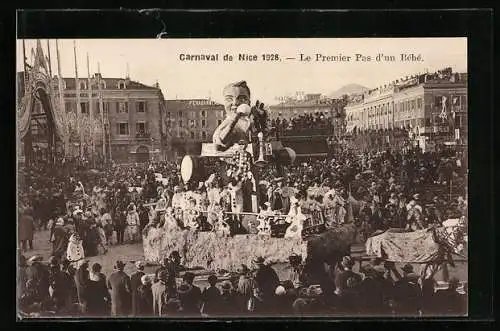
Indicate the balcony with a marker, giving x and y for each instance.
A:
(143, 135)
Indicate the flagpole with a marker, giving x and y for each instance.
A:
(91, 115)
(78, 106)
(50, 62)
(25, 68)
(101, 112)
(61, 100)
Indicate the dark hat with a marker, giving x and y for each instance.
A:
(259, 260)
(243, 270)
(119, 264)
(295, 258)
(212, 279)
(175, 254)
(226, 285)
(408, 268)
(188, 277)
(184, 288)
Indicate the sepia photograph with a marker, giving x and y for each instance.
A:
(242, 178)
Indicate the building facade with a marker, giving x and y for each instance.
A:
(432, 105)
(332, 110)
(190, 122)
(132, 114)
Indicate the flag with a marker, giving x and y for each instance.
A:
(443, 103)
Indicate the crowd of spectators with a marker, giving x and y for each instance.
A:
(376, 191)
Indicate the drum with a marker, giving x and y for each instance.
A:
(190, 169)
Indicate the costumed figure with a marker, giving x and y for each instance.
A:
(213, 193)
(177, 204)
(159, 211)
(264, 226)
(170, 224)
(297, 224)
(132, 228)
(215, 213)
(414, 216)
(191, 214)
(74, 252)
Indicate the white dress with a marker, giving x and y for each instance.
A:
(74, 252)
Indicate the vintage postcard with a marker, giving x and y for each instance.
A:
(223, 178)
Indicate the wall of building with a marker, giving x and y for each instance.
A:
(123, 146)
(191, 121)
(416, 106)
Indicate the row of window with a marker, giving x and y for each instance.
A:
(191, 123)
(192, 113)
(122, 128)
(121, 107)
(193, 135)
(83, 84)
(459, 121)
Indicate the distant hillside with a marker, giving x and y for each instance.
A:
(348, 89)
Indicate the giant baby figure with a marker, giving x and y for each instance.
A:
(239, 116)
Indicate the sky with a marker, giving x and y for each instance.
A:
(151, 60)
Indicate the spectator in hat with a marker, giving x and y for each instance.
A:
(60, 239)
(135, 282)
(93, 238)
(373, 290)
(26, 229)
(244, 288)
(119, 286)
(163, 266)
(189, 295)
(160, 294)
(407, 293)
(297, 274)
(174, 267)
(120, 223)
(228, 305)
(57, 283)
(81, 281)
(210, 297)
(38, 274)
(144, 304)
(266, 280)
(346, 283)
(98, 296)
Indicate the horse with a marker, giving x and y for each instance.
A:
(329, 247)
